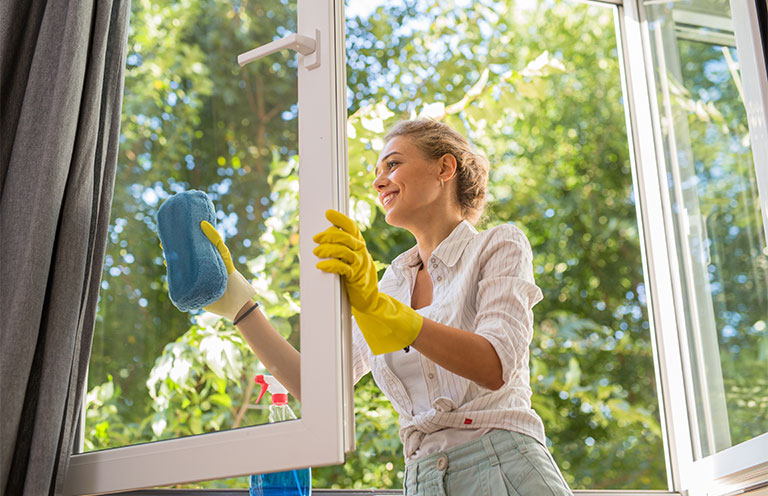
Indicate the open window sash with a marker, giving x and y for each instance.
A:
(701, 459)
(743, 466)
(326, 427)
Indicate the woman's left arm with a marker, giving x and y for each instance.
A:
(505, 294)
(461, 352)
(501, 332)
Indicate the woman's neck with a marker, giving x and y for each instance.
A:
(428, 239)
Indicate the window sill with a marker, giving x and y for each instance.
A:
(357, 492)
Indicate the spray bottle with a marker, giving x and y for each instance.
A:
(296, 482)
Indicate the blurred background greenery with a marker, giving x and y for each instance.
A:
(536, 86)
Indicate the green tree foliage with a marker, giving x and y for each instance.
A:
(537, 89)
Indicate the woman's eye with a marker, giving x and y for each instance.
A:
(391, 164)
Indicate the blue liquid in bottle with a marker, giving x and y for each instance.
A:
(289, 483)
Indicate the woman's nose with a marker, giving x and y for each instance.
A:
(379, 182)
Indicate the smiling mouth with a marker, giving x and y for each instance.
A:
(388, 199)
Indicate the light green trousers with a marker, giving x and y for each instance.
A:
(499, 463)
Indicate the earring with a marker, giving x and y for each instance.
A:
(442, 183)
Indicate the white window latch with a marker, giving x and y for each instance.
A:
(308, 48)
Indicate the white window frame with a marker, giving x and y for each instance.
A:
(754, 76)
(326, 428)
(744, 466)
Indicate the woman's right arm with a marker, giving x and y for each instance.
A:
(277, 355)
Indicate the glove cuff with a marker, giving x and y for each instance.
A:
(239, 291)
(391, 326)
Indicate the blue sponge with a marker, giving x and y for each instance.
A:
(197, 276)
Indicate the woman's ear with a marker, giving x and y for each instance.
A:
(448, 166)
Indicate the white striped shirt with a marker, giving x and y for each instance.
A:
(482, 283)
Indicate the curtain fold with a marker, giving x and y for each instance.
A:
(61, 84)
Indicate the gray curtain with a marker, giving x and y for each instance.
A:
(61, 84)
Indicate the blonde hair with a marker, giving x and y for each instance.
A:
(436, 139)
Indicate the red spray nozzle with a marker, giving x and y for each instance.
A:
(279, 393)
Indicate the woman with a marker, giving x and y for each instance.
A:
(445, 333)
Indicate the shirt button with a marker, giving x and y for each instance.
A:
(434, 265)
(431, 375)
(439, 278)
(442, 463)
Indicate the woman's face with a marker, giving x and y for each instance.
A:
(408, 184)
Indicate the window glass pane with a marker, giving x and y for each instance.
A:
(192, 119)
(543, 101)
(719, 231)
(536, 86)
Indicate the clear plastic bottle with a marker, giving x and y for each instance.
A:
(297, 482)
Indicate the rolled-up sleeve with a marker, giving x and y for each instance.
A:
(506, 295)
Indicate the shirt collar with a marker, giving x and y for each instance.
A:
(448, 251)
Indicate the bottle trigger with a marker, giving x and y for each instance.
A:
(259, 379)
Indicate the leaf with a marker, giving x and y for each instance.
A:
(196, 424)
(433, 111)
(158, 425)
(221, 399)
(573, 375)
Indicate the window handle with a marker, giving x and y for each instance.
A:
(308, 48)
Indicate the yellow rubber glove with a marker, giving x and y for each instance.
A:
(239, 291)
(387, 324)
